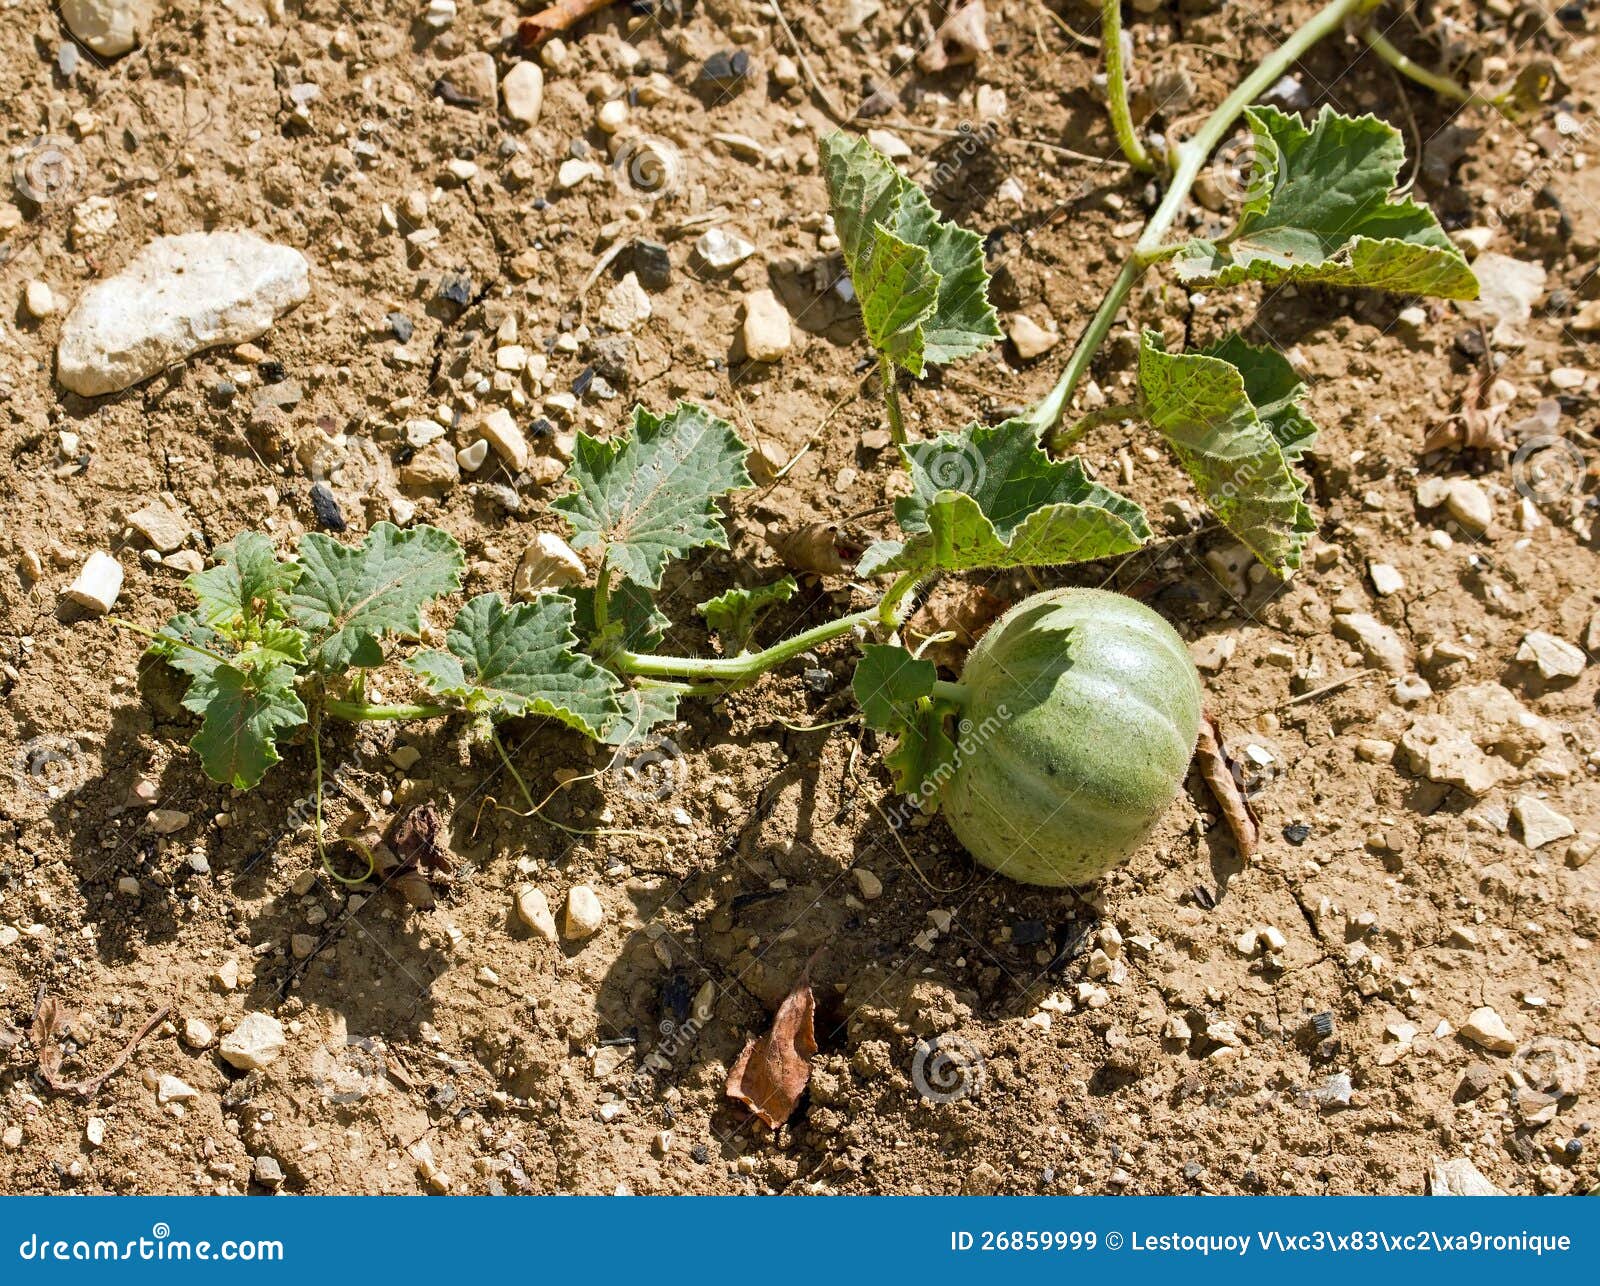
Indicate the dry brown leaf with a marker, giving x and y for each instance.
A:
(817, 547)
(963, 611)
(1223, 777)
(1476, 426)
(774, 1070)
(51, 1023)
(959, 40)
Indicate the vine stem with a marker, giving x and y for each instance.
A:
(1117, 89)
(1444, 86)
(1188, 157)
(364, 712)
(736, 670)
(891, 399)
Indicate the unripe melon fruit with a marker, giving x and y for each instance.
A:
(1081, 714)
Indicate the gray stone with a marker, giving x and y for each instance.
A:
(1379, 644)
(255, 1042)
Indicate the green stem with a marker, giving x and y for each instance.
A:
(736, 670)
(1188, 157)
(1117, 88)
(955, 693)
(602, 595)
(1065, 436)
(363, 712)
(891, 399)
(1440, 84)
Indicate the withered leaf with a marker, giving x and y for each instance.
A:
(1222, 775)
(52, 1021)
(419, 839)
(821, 548)
(773, 1071)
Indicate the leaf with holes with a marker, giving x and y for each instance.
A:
(989, 497)
(506, 662)
(348, 599)
(651, 495)
(1318, 208)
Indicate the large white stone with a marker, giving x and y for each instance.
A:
(109, 27)
(255, 1042)
(179, 295)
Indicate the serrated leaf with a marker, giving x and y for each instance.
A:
(1200, 404)
(191, 647)
(897, 289)
(989, 497)
(651, 496)
(1274, 390)
(247, 582)
(644, 704)
(1319, 210)
(895, 692)
(876, 211)
(733, 613)
(348, 598)
(244, 714)
(632, 619)
(506, 662)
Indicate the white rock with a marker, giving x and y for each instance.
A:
(225, 977)
(627, 307)
(1487, 1029)
(574, 171)
(197, 1034)
(766, 327)
(1556, 658)
(1379, 644)
(1508, 290)
(584, 914)
(1470, 506)
(439, 14)
(109, 27)
(1458, 1178)
(1540, 823)
(533, 909)
(98, 583)
(164, 529)
(500, 428)
(1385, 579)
(721, 249)
(255, 1042)
(522, 91)
(547, 563)
(39, 300)
(179, 295)
(870, 886)
(169, 1089)
(94, 1131)
(891, 145)
(1029, 338)
(471, 458)
(1213, 652)
(166, 821)
(611, 116)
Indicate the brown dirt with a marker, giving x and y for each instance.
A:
(455, 1029)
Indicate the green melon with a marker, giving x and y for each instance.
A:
(1081, 716)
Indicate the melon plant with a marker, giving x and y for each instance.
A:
(1068, 732)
